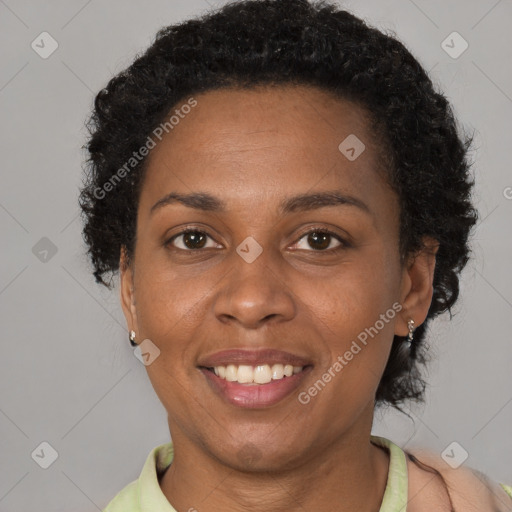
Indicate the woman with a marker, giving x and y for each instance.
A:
(287, 200)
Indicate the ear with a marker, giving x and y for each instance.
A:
(127, 291)
(417, 286)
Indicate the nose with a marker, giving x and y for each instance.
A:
(254, 294)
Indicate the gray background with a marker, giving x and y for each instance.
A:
(67, 372)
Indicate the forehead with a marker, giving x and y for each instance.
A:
(258, 143)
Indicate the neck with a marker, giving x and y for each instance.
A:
(349, 474)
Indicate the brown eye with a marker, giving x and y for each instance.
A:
(190, 240)
(321, 240)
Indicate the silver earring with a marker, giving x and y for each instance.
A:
(132, 339)
(410, 336)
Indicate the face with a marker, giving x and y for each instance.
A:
(265, 279)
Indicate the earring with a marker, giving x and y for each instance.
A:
(132, 339)
(410, 336)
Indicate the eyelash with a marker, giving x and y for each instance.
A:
(343, 243)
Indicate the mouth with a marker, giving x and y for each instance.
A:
(254, 379)
(254, 375)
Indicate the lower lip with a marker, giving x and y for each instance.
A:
(257, 395)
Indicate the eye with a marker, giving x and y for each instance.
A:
(321, 239)
(191, 239)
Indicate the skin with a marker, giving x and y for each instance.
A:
(253, 149)
(470, 490)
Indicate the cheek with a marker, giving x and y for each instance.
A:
(166, 297)
(354, 312)
(355, 294)
(169, 311)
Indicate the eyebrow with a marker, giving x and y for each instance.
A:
(299, 203)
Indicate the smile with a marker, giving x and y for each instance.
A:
(260, 374)
(254, 379)
(254, 395)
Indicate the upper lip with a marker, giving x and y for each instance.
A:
(252, 358)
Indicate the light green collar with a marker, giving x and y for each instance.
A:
(152, 497)
(395, 495)
(145, 493)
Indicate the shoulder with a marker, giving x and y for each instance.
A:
(469, 489)
(125, 501)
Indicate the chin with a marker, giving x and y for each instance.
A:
(260, 456)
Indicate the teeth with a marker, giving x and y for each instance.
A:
(245, 374)
(260, 374)
(277, 371)
(231, 372)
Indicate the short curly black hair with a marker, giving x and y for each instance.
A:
(294, 42)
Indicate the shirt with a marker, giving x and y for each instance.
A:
(145, 494)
